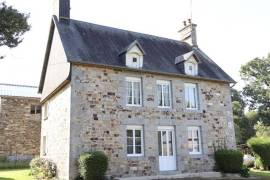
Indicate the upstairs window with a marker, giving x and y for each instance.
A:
(194, 140)
(135, 141)
(35, 109)
(191, 96)
(164, 94)
(134, 93)
(191, 68)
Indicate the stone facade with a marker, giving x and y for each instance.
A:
(90, 113)
(19, 129)
(99, 117)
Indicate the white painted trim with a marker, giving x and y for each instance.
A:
(133, 128)
(192, 85)
(196, 128)
(165, 83)
(160, 128)
(134, 80)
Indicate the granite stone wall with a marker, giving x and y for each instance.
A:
(99, 117)
(19, 129)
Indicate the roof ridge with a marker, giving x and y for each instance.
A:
(134, 32)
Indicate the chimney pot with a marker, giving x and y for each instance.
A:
(188, 33)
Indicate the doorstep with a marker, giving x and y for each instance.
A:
(201, 175)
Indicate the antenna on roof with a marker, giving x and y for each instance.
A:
(190, 19)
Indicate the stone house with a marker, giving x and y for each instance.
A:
(20, 121)
(153, 105)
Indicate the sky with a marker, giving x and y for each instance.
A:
(231, 32)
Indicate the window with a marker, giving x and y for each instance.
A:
(35, 109)
(44, 148)
(191, 96)
(164, 93)
(191, 68)
(134, 94)
(194, 140)
(46, 111)
(135, 141)
(134, 60)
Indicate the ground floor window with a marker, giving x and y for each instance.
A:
(194, 140)
(134, 140)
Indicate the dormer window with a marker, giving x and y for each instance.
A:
(133, 55)
(191, 68)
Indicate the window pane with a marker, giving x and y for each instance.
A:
(164, 142)
(159, 93)
(170, 143)
(138, 141)
(129, 141)
(136, 92)
(166, 91)
(38, 109)
(194, 97)
(33, 109)
(130, 149)
(137, 133)
(129, 92)
(138, 149)
(129, 133)
(190, 145)
(187, 97)
(159, 143)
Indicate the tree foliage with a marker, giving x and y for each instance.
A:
(13, 25)
(256, 75)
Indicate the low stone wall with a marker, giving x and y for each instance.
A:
(19, 129)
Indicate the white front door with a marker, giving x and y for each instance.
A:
(166, 147)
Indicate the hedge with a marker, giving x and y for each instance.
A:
(261, 147)
(93, 165)
(229, 161)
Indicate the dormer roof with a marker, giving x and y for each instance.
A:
(186, 57)
(130, 46)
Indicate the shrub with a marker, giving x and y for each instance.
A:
(42, 168)
(93, 165)
(261, 147)
(229, 161)
(244, 172)
(258, 163)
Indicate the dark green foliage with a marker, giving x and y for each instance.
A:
(261, 147)
(14, 164)
(93, 165)
(42, 168)
(256, 74)
(244, 172)
(229, 161)
(13, 25)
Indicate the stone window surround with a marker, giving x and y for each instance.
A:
(133, 128)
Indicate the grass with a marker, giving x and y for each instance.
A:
(256, 172)
(16, 174)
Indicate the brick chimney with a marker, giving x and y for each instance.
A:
(61, 8)
(188, 33)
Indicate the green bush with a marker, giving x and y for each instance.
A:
(261, 147)
(42, 168)
(244, 172)
(93, 165)
(229, 161)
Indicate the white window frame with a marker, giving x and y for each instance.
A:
(133, 80)
(196, 98)
(164, 83)
(194, 65)
(133, 128)
(195, 128)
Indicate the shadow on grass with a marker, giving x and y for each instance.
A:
(1, 178)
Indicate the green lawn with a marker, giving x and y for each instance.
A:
(16, 174)
(260, 173)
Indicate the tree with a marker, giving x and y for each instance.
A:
(13, 25)
(256, 75)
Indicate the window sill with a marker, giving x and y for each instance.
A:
(131, 105)
(165, 107)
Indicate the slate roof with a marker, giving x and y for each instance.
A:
(96, 44)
